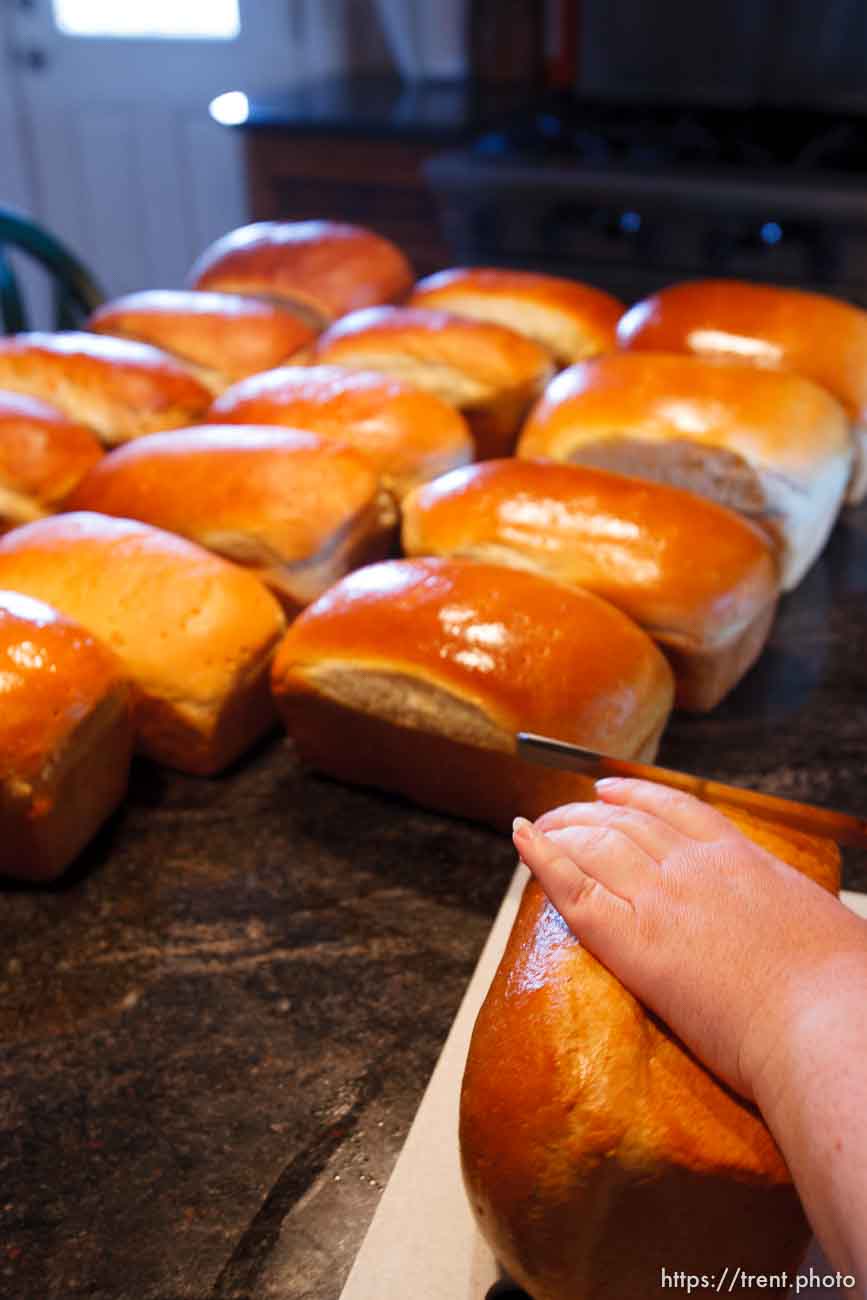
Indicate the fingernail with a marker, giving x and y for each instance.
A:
(520, 826)
(605, 782)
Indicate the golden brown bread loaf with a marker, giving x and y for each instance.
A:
(490, 373)
(194, 633)
(298, 511)
(774, 446)
(223, 337)
(42, 457)
(409, 436)
(596, 1150)
(65, 738)
(415, 675)
(323, 269)
(118, 388)
(570, 320)
(632, 543)
(786, 329)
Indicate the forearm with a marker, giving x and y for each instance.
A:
(812, 1091)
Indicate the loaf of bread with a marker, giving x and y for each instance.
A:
(118, 388)
(409, 436)
(42, 457)
(222, 337)
(415, 675)
(65, 738)
(571, 320)
(632, 543)
(298, 511)
(774, 327)
(597, 1152)
(194, 633)
(774, 446)
(322, 269)
(489, 372)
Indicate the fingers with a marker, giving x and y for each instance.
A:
(682, 812)
(578, 896)
(652, 835)
(607, 855)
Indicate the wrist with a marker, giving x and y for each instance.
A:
(800, 1041)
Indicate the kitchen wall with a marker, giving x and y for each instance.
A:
(364, 47)
(738, 51)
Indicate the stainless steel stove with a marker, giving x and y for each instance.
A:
(632, 198)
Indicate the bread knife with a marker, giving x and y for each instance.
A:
(842, 827)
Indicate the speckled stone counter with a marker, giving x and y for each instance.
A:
(215, 1032)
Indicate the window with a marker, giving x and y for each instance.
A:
(154, 19)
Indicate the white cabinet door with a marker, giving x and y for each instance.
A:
(16, 177)
(15, 188)
(128, 167)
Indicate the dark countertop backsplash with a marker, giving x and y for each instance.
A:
(444, 112)
(214, 1034)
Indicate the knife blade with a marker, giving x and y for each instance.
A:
(844, 828)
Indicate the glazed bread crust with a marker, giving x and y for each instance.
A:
(324, 268)
(224, 336)
(811, 334)
(118, 388)
(448, 658)
(632, 543)
(774, 446)
(490, 373)
(596, 1150)
(570, 320)
(195, 634)
(408, 435)
(65, 738)
(297, 510)
(43, 455)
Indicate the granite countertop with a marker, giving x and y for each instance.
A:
(215, 1032)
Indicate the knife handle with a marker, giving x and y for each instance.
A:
(844, 828)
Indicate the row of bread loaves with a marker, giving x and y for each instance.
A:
(244, 494)
(797, 507)
(818, 337)
(485, 341)
(767, 444)
(414, 675)
(229, 489)
(195, 634)
(771, 445)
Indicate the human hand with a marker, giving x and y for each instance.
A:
(722, 940)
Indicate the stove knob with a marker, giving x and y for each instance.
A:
(562, 221)
(630, 223)
(770, 234)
